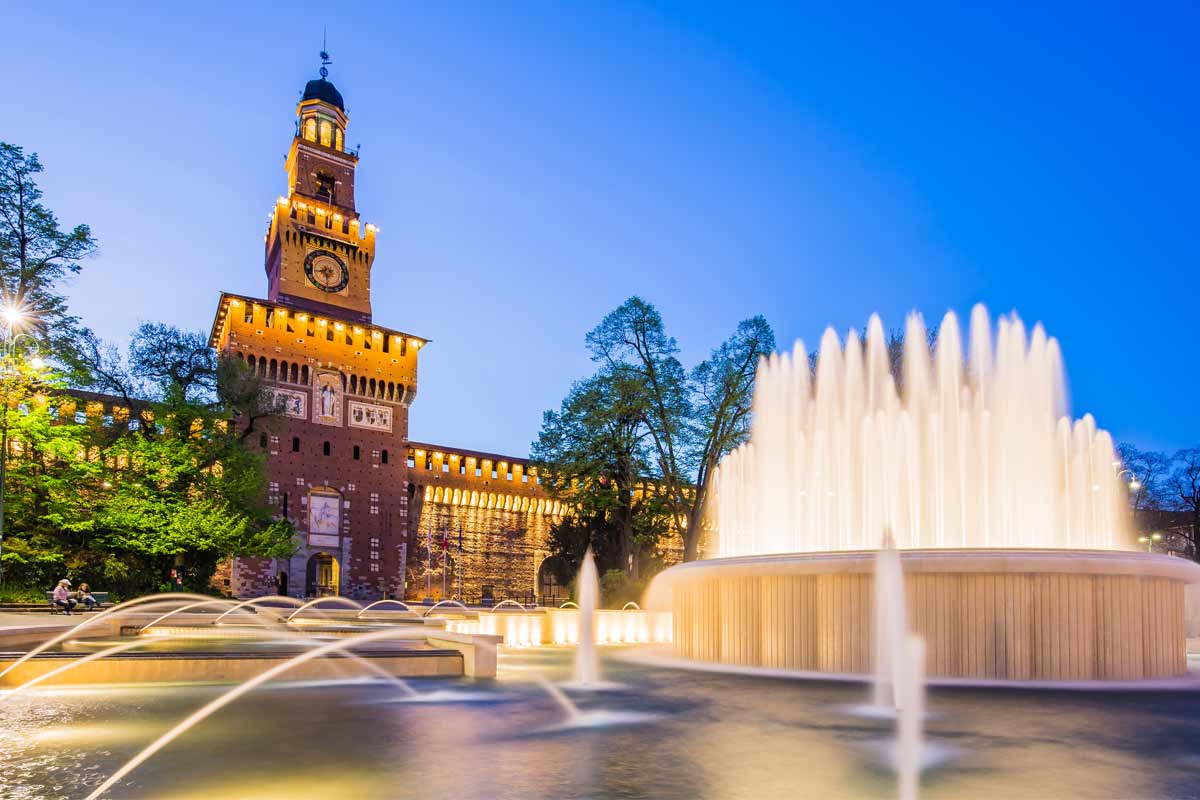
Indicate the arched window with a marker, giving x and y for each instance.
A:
(338, 138)
(295, 373)
(310, 129)
(326, 133)
(353, 384)
(325, 448)
(371, 391)
(383, 456)
(283, 371)
(304, 374)
(274, 369)
(356, 452)
(295, 444)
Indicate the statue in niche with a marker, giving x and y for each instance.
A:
(326, 401)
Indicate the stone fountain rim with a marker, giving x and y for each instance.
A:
(946, 560)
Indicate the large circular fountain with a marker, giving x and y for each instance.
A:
(1011, 520)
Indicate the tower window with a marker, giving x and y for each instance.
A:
(383, 457)
(310, 129)
(356, 452)
(325, 187)
(295, 444)
(325, 448)
(326, 133)
(338, 138)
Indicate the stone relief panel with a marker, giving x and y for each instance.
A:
(367, 415)
(291, 402)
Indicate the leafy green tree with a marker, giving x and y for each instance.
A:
(592, 454)
(117, 501)
(693, 419)
(37, 257)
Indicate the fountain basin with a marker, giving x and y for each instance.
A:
(228, 667)
(1031, 615)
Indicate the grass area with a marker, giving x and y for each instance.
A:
(21, 594)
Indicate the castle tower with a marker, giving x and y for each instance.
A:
(318, 252)
(336, 451)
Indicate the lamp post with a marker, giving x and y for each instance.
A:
(1150, 540)
(9, 342)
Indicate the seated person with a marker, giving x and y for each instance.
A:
(85, 597)
(62, 596)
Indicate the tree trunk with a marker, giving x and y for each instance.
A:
(691, 536)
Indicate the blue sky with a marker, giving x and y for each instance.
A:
(531, 165)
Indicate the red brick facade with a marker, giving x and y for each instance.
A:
(366, 505)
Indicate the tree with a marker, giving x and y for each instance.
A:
(693, 419)
(36, 256)
(117, 501)
(1185, 486)
(592, 454)
(1147, 473)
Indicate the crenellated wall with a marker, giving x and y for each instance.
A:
(502, 511)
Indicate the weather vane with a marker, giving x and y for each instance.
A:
(325, 62)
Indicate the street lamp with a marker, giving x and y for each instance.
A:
(10, 339)
(1150, 540)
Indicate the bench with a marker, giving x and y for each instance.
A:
(101, 600)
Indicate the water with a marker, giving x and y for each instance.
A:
(717, 737)
(587, 660)
(890, 626)
(976, 450)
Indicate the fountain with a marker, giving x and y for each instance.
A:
(910, 717)
(890, 626)
(1010, 519)
(587, 587)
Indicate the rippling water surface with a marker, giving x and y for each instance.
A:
(666, 734)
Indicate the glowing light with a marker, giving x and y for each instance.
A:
(13, 315)
(37, 363)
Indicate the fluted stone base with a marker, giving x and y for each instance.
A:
(1045, 615)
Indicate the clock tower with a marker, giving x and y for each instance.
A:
(340, 384)
(318, 252)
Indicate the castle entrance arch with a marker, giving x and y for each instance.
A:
(321, 576)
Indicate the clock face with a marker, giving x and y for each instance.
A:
(327, 272)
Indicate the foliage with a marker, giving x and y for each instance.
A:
(1165, 494)
(633, 447)
(118, 502)
(36, 256)
(617, 588)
